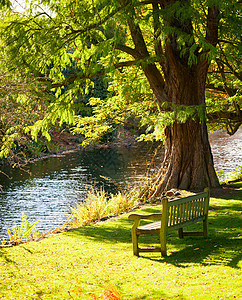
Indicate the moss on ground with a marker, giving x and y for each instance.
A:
(82, 262)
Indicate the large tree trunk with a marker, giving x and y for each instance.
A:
(188, 161)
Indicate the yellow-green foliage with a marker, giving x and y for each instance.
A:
(99, 204)
(120, 203)
(92, 208)
(24, 232)
(232, 176)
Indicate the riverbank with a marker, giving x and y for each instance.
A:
(62, 143)
(66, 143)
(81, 263)
(52, 186)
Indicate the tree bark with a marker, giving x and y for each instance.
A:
(188, 161)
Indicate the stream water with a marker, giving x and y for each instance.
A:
(54, 185)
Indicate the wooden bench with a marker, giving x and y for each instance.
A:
(176, 214)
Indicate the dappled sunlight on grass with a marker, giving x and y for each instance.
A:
(224, 235)
(82, 262)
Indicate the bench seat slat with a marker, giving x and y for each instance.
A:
(150, 226)
(155, 226)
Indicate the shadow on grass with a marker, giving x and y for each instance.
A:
(213, 251)
(5, 257)
(221, 248)
(109, 232)
(156, 294)
(231, 191)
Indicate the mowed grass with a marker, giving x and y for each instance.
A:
(81, 263)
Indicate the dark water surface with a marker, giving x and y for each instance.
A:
(57, 183)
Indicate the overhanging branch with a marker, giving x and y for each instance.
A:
(233, 120)
(127, 50)
(101, 22)
(225, 115)
(232, 91)
(83, 76)
(212, 25)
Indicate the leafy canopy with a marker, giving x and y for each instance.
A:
(119, 40)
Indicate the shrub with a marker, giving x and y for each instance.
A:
(98, 205)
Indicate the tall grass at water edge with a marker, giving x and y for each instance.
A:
(26, 231)
(231, 176)
(98, 205)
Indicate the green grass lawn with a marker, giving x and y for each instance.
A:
(82, 262)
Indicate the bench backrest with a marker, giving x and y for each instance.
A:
(185, 211)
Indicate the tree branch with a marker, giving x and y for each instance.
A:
(226, 62)
(225, 116)
(157, 30)
(151, 71)
(101, 22)
(127, 50)
(212, 25)
(138, 38)
(228, 90)
(101, 72)
(233, 43)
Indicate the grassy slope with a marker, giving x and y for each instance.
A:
(75, 264)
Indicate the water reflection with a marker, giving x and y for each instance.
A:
(53, 185)
(227, 150)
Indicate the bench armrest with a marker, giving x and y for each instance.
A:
(154, 216)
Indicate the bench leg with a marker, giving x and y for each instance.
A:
(205, 228)
(163, 245)
(180, 233)
(135, 242)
